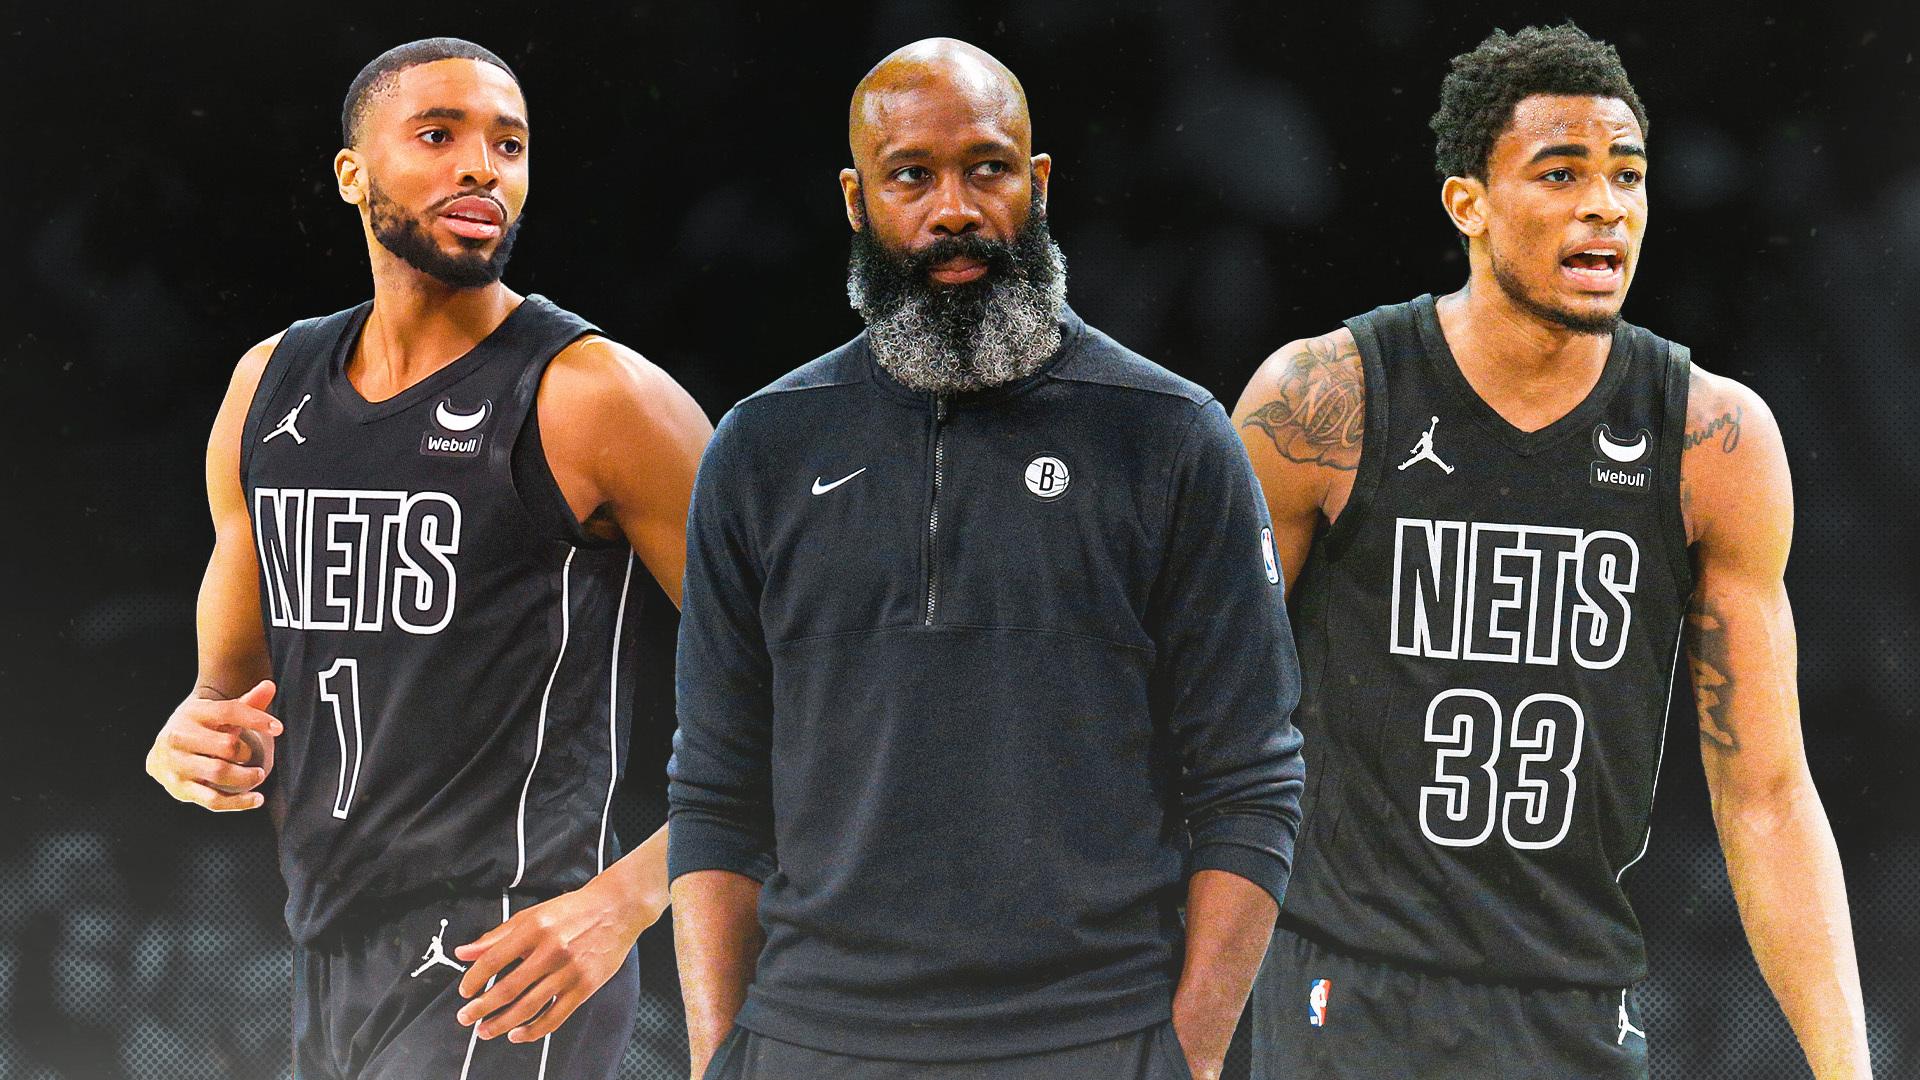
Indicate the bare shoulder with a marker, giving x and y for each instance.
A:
(252, 365)
(598, 373)
(1309, 401)
(1733, 466)
(603, 403)
(241, 386)
(1720, 411)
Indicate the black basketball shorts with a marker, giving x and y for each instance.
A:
(1331, 1016)
(378, 1002)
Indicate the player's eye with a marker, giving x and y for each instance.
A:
(913, 174)
(512, 146)
(437, 136)
(1558, 176)
(1631, 176)
(991, 168)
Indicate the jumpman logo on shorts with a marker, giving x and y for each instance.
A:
(436, 954)
(1423, 451)
(285, 427)
(1626, 1025)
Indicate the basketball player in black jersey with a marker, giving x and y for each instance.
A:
(428, 509)
(1495, 512)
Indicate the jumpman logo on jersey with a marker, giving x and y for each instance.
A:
(436, 954)
(285, 427)
(1626, 1025)
(1423, 451)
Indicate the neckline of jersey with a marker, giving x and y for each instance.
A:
(366, 412)
(1440, 355)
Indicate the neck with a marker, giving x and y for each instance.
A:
(1528, 369)
(419, 325)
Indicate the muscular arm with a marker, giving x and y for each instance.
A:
(217, 746)
(1302, 418)
(1780, 852)
(623, 441)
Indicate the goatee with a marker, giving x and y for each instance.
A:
(1597, 324)
(406, 237)
(942, 339)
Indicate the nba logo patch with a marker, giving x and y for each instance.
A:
(1317, 1002)
(1266, 553)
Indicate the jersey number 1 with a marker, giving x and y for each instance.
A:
(1464, 802)
(340, 688)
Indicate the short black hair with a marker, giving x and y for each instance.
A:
(383, 68)
(1478, 95)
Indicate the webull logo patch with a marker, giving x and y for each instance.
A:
(455, 436)
(435, 444)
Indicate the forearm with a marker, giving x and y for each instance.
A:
(1229, 922)
(639, 879)
(1787, 880)
(716, 940)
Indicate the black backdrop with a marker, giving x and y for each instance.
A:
(1227, 177)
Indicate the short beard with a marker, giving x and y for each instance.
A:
(406, 237)
(1603, 323)
(945, 339)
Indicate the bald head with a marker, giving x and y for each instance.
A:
(966, 80)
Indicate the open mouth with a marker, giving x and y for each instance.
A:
(1597, 268)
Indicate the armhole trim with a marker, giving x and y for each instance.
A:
(1673, 448)
(1367, 473)
(548, 513)
(283, 359)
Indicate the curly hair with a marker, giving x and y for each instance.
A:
(1479, 93)
(380, 72)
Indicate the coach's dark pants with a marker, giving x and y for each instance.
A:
(371, 1005)
(1149, 1054)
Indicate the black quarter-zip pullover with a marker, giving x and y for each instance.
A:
(973, 685)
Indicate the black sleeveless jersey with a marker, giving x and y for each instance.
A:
(446, 641)
(1487, 639)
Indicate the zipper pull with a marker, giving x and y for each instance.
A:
(939, 408)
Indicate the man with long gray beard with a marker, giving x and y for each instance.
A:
(983, 636)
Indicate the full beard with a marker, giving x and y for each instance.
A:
(1597, 323)
(406, 237)
(945, 339)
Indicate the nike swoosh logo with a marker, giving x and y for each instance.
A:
(821, 489)
(1620, 452)
(453, 421)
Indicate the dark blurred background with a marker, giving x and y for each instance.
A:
(1227, 177)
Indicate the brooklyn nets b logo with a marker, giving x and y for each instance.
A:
(1047, 477)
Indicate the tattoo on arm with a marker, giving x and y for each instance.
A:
(1319, 415)
(1712, 675)
(1726, 425)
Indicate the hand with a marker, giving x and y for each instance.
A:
(215, 753)
(560, 951)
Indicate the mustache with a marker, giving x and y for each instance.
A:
(998, 255)
(472, 193)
